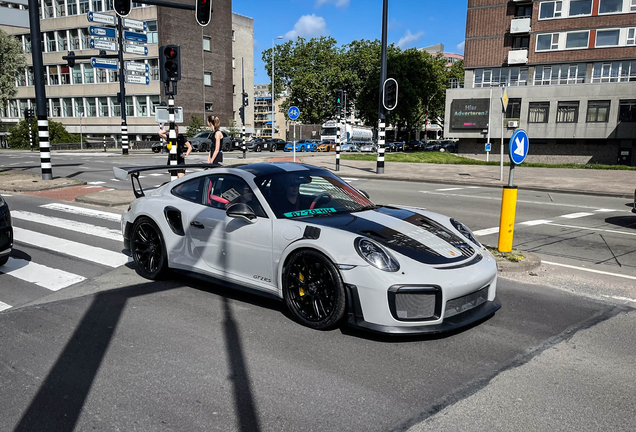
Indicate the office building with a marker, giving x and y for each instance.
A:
(243, 68)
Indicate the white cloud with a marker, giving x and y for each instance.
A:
(394, 24)
(308, 26)
(342, 4)
(460, 47)
(408, 38)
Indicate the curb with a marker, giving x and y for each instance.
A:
(529, 262)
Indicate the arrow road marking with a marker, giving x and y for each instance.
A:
(520, 150)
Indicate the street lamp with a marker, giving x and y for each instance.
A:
(273, 92)
(81, 144)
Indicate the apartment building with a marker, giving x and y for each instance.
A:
(243, 66)
(83, 97)
(569, 68)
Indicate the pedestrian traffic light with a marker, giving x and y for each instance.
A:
(246, 100)
(389, 94)
(169, 63)
(203, 12)
(122, 7)
(339, 101)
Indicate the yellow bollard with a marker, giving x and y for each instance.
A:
(507, 218)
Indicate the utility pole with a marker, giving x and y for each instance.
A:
(242, 110)
(122, 88)
(381, 124)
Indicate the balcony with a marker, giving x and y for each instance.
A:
(520, 25)
(518, 56)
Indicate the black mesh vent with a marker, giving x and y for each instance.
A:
(465, 303)
(414, 305)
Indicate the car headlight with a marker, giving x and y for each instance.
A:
(376, 255)
(465, 231)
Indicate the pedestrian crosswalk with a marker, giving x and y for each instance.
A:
(56, 246)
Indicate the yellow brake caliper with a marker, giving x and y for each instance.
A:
(301, 291)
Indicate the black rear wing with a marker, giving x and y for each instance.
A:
(122, 173)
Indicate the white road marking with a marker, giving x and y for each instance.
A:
(575, 215)
(92, 187)
(592, 229)
(486, 231)
(114, 180)
(96, 183)
(157, 174)
(4, 195)
(589, 270)
(4, 306)
(406, 206)
(347, 179)
(450, 189)
(535, 222)
(71, 248)
(619, 298)
(46, 277)
(83, 211)
(605, 210)
(84, 228)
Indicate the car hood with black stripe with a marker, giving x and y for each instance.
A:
(405, 232)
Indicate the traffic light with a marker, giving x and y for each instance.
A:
(122, 7)
(339, 101)
(390, 94)
(246, 100)
(71, 59)
(169, 63)
(203, 12)
(242, 114)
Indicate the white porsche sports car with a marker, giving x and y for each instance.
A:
(302, 234)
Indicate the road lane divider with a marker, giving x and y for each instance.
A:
(589, 270)
(591, 229)
(71, 225)
(41, 275)
(576, 215)
(70, 248)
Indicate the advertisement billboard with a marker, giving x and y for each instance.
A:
(469, 113)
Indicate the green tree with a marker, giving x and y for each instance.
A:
(19, 134)
(195, 126)
(233, 129)
(12, 63)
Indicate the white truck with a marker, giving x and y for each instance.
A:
(348, 133)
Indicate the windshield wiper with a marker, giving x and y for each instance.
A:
(369, 207)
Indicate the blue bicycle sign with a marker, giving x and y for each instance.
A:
(293, 113)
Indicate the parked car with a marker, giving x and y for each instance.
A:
(349, 148)
(368, 148)
(6, 232)
(256, 145)
(276, 144)
(383, 269)
(432, 146)
(159, 147)
(326, 146)
(414, 146)
(301, 146)
(202, 142)
(449, 146)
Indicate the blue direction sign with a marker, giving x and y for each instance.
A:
(135, 37)
(487, 147)
(293, 113)
(101, 18)
(103, 44)
(101, 63)
(518, 146)
(102, 32)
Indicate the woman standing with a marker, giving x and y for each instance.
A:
(216, 154)
(183, 149)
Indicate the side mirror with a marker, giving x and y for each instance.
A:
(241, 211)
(366, 195)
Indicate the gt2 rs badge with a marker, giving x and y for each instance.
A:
(261, 278)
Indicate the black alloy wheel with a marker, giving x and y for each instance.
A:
(148, 249)
(313, 290)
(258, 149)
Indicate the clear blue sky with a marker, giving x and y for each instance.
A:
(412, 23)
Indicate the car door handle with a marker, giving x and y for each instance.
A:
(197, 224)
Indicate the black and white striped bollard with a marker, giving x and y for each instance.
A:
(380, 163)
(172, 139)
(45, 148)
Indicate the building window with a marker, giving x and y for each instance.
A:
(627, 110)
(538, 112)
(597, 111)
(513, 110)
(628, 71)
(101, 76)
(155, 101)
(614, 72)
(520, 42)
(115, 107)
(72, 7)
(142, 106)
(207, 78)
(22, 81)
(630, 35)
(233, 33)
(88, 74)
(30, 75)
(233, 89)
(547, 42)
(560, 74)
(130, 107)
(83, 6)
(550, 10)
(208, 107)
(607, 37)
(580, 7)
(113, 76)
(108, 5)
(233, 63)
(568, 112)
(523, 11)
(66, 74)
(86, 38)
(51, 46)
(610, 6)
(206, 43)
(75, 40)
(79, 107)
(102, 106)
(154, 69)
(494, 77)
(576, 40)
(152, 32)
(90, 107)
(97, 5)
(632, 7)
(53, 78)
(67, 107)
(56, 109)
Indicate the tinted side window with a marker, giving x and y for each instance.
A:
(223, 190)
(190, 190)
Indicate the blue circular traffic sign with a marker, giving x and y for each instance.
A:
(293, 113)
(518, 146)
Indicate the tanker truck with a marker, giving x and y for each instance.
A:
(353, 134)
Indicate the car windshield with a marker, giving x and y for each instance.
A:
(202, 135)
(310, 193)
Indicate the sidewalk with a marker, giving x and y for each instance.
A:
(580, 181)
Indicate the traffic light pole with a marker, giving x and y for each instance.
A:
(172, 138)
(243, 146)
(381, 124)
(40, 91)
(122, 88)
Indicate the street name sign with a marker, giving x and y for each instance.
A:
(518, 146)
(135, 37)
(293, 113)
(137, 79)
(101, 18)
(101, 63)
(135, 49)
(102, 32)
(102, 44)
(134, 24)
(137, 67)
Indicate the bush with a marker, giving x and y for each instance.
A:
(19, 134)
